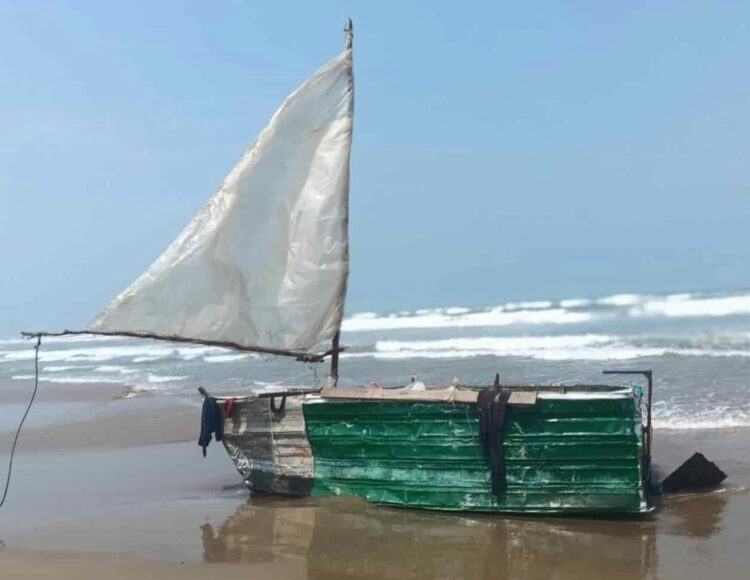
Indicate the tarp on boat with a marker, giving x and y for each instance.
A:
(265, 262)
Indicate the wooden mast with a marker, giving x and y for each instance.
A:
(348, 34)
(333, 375)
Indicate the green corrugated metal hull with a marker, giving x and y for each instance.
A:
(562, 455)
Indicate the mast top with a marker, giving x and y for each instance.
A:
(348, 34)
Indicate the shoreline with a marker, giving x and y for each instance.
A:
(105, 415)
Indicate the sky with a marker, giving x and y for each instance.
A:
(502, 150)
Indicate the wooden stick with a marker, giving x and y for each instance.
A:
(335, 359)
(309, 357)
(263, 395)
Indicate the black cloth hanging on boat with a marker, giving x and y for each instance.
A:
(492, 406)
(212, 423)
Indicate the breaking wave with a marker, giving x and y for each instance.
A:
(685, 305)
(719, 417)
(71, 380)
(152, 378)
(621, 300)
(118, 378)
(222, 358)
(113, 369)
(63, 368)
(444, 318)
(70, 339)
(562, 312)
(550, 347)
(135, 352)
(590, 347)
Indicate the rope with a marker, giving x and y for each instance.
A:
(23, 419)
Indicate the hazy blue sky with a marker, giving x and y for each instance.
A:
(503, 151)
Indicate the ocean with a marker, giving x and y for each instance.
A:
(697, 344)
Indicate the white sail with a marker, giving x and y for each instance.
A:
(265, 262)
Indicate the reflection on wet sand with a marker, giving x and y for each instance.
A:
(344, 537)
(697, 515)
(261, 530)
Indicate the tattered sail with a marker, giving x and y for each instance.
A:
(265, 262)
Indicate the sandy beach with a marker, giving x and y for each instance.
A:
(119, 489)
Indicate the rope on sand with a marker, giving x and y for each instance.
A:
(23, 419)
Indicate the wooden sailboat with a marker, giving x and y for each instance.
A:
(263, 267)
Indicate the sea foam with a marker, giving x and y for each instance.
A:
(591, 347)
(107, 353)
(686, 305)
(710, 417)
(441, 319)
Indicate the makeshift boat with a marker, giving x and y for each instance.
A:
(263, 268)
(574, 449)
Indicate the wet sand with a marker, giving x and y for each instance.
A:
(104, 415)
(119, 489)
(33, 564)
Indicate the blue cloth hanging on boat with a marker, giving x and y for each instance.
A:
(212, 423)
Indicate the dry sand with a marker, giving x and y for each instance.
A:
(117, 488)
